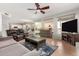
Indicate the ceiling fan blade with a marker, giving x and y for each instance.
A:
(37, 5)
(31, 9)
(47, 7)
(42, 11)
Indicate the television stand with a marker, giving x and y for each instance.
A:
(71, 38)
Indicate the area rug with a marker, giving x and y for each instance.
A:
(47, 50)
(29, 46)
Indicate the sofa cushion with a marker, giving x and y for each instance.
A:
(13, 50)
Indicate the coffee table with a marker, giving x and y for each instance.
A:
(36, 41)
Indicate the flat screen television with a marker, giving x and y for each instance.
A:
(70, 26)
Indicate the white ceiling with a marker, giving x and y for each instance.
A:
(19, 10)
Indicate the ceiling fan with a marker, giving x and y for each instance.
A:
(41, 9)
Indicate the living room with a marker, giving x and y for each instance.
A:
(37, 29)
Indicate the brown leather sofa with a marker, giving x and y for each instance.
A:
(17, 34)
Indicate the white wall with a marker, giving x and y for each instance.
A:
(38, 25)
(5, 25)
(0, 24)
(56, 29)
(46, 25)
